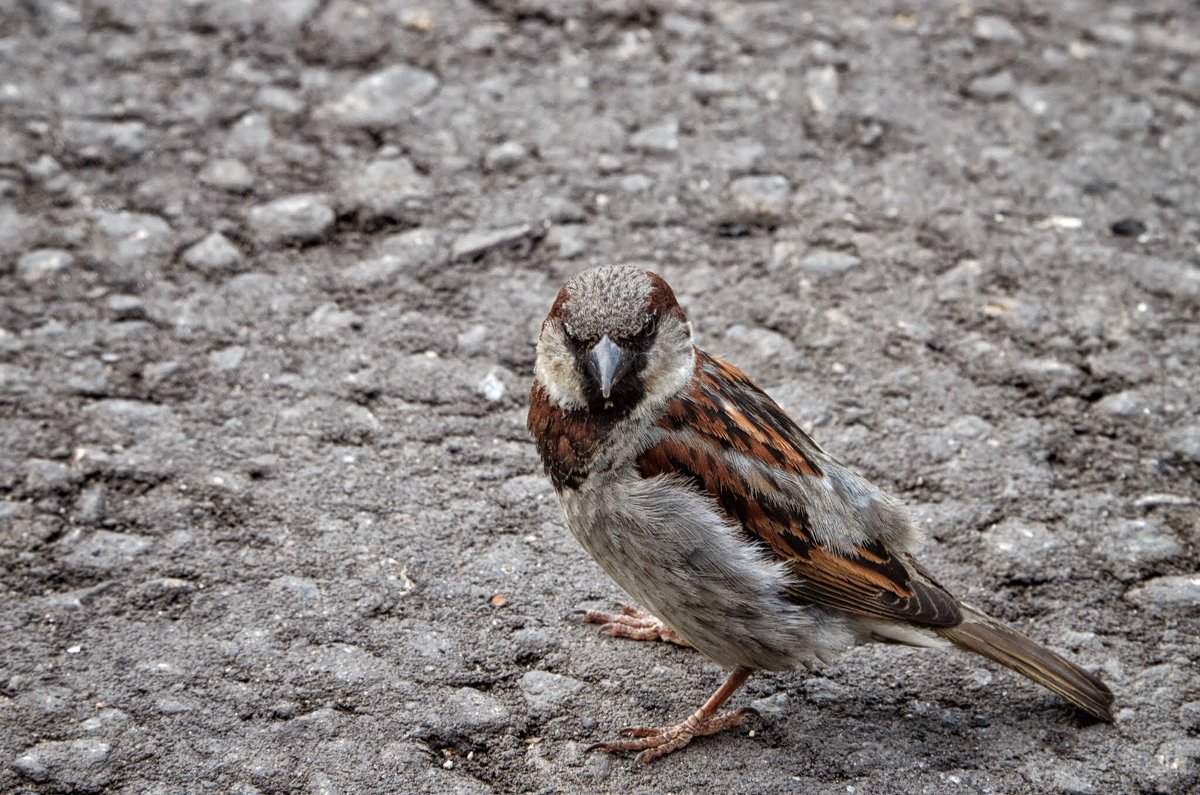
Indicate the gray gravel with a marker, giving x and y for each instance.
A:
(214, 252)
(45, 263)
(303, 218)
(270, 277)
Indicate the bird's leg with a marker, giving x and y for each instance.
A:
(656, 741)
(635, 624)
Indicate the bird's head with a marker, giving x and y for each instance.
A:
(615, 340)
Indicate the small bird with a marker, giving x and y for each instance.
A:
(709, 506)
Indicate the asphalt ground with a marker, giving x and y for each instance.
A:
(270, 279)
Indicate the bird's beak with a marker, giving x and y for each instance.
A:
(607, 358)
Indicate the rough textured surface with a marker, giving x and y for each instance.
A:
(270, 276)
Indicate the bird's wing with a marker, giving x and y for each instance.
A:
(732, 441)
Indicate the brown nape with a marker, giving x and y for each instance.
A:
(662, 299)
(558, 309)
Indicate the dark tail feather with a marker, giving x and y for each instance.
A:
(984, 635)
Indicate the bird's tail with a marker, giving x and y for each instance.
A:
(995, 640)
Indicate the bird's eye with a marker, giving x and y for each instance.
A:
(573, 337)
(647, 330)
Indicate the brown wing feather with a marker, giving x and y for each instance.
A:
(726, 411)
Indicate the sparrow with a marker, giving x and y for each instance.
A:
(699, 496)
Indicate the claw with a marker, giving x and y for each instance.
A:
(634, 624)
(654, 741)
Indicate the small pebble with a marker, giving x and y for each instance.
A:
(1179, 281)
(48, 477)
(1133, 545)
(89, 377)
(156, 374)
(379, 270)
(1125, 405)
(74, 765)
(110, 142)
(330, 321)
(90, 507)
(774, 705)
(733, 229)
(1112, 33)
(383, 99)
(43, 264)
(569, 241)
(135, 418)
(544, 690)
(1127, 227)
(280, 100)
(228, 174)
(709, 85)
(491, 388)
(106, 550)
(1181, 755)
(300, 589)
(389, 189)
(564, 211)
(989, 27)
(761, 197)
(657, 139)
(740, 156)
(1026, 546)
(1189, 716)
(228, 358)
(250, 136)
(819, 690)
(131, 241)
(823, 88)
(106, 719)
(213, 254)
(608, 163)
(303, 218)
(126, 307)
(1185, 442)
(829, 263)
(15, 380)
(765, 343)
(993, 87)
(1049, 377)
(483, 38)
(407, 252)
(466, 709)
(475, 244)
(505, 156)
(522, 490)
(1172, 591)
(636, 183)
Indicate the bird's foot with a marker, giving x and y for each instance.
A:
(635, 624)
(656, 741)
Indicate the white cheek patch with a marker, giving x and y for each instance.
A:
(555, 371)
(672, 367)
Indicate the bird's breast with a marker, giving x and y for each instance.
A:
(667, 547)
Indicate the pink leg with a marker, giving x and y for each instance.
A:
(656, 741)
(635, 624)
